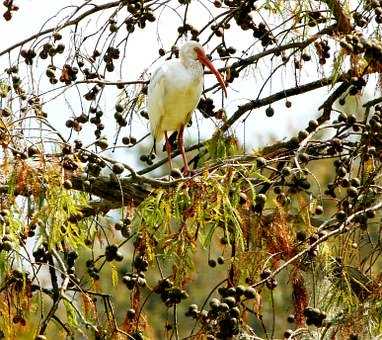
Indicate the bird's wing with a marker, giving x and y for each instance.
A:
(155, 105)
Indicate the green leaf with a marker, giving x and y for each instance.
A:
(114, 275)
(71, 315)
(4, 89)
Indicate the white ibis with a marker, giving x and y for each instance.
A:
(174, 92)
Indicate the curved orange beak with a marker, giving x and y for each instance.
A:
(205, 61)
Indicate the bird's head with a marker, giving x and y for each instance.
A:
(192, 50)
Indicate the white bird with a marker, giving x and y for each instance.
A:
(174, 92)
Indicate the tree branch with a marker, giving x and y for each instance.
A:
(255, 104)
(112, 190)
(67, 24)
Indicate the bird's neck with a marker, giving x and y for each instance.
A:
(194, 66)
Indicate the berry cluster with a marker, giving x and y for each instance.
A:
(242, 15)
(360, 20)
(225, 51)
(314, 316)
(129, 140)
(259, 203)
(314, 17)
(102, 142)
(270, 282)
(51, 49)
(169, 294)
(112, 253)
(96, 120)
(137, 279)
(373, 135)
(140, 15)
(28, 56)
(11, 7)
(120, 119)
(358, 44)
(323, 51)
(68, 74)
(148, 159)
(70, 258)
(223, 318)
(124, 227)
(206, 107)
(41, 253)
(111, 54)
(261, 32)
(94, 165)
(182, 30)
(92, 93)
(92, 270)
(132, 280)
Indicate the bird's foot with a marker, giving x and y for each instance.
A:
(187, 172)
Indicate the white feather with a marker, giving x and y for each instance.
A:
(173, 93)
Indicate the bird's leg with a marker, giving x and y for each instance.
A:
(181, 149)
(168, 149)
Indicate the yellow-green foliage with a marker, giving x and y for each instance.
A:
(4, 89)
(221, 147)
(175, 221)
(57, 206)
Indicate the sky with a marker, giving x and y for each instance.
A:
(143, 57)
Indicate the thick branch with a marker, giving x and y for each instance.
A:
(343, 22)
(110, 189)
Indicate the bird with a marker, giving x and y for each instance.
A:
(173, 93)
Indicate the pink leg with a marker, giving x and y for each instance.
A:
(181, 149)
(168, 149)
